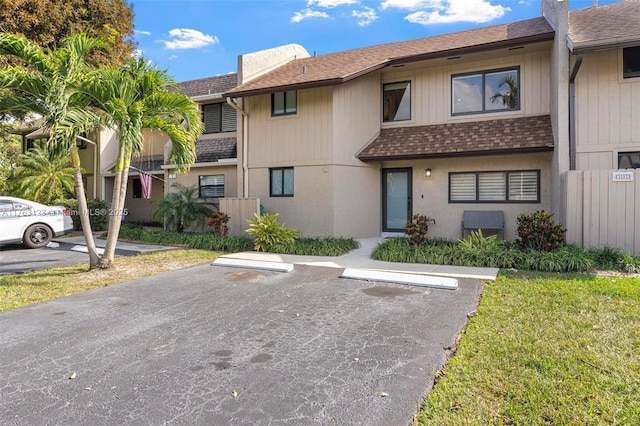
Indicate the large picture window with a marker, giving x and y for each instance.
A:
(487, 91)
(631, 62)
(211, 186)
(396, 101)
(629, 160)
(219, 118)
(521, 186)
(284, 103)
(281, 182)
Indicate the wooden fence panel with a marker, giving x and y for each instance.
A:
(601, 212)
(239, 211)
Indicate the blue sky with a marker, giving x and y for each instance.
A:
(203, 38)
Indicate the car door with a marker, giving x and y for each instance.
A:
(14, 218)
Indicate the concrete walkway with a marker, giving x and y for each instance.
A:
(361, 259)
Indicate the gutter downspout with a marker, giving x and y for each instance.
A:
(572, 111)
(245, 149)
(95, 164)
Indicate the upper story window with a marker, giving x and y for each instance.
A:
(629, 160)
(218, 118)
(631, 62)
(486, 91)
(284, 103)
(396, 101)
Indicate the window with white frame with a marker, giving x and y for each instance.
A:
(396, 101)
(629, 160)
(284, 103)
(281, 182)
(486, 91)
(211, 186)
(219, 118)
(631, 62)
(520, 186)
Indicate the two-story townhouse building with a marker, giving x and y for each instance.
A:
(353, 143)
(509, 117)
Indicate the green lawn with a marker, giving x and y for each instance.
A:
(545, 349)
(24, 289)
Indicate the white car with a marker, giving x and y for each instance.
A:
(31, 223)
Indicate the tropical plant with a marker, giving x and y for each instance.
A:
(180, 209)
(43, 175)
(509, 97)
(267, 231)
(47, 84)
(132, 99)
(218, 221)
(538, 231)
(417, 228)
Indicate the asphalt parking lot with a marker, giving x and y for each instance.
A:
(17, 259)
(223, 346)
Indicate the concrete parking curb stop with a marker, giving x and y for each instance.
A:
(401, 278)
(253, 264)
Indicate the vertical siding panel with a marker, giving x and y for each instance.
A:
(603, 201)
(593, 109)
(624, 114)
(578, 205)
(629, 219)
(613, 119)
(594, 208)
(636, 219)
(635, 113)
(604, 103)
(617, 209)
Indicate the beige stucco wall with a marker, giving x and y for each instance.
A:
(607, 112)
(430, 195)
(140, 209)
(357, 201)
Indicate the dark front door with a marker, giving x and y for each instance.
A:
(396, 199)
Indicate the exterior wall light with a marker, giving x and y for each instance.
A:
(427, 173)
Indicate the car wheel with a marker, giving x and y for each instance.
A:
(37, 236)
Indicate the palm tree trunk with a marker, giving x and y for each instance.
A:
(117, 208)
(83, 210)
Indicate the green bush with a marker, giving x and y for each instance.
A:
(204, 241)
(417, 228)
(97, 213)
(267, 231)
(538, 231)
(316, 246)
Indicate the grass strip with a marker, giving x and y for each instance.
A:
(545, 349)
(24, 289)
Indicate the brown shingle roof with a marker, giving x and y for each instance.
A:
(524, 134)
(209, 85)
(211, 150)
(339, 67)
(615, 24)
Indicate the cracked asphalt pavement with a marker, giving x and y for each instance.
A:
(222, 346)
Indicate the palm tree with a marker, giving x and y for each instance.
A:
(132, 99)
(510, 97)
(46, 84)
(180, 209)
(43, 175)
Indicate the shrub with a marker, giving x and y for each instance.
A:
(267, 231)
(316, 246)
(607, 257)
(417, 228)
(538, 231)
(218, 221)
(97, 213)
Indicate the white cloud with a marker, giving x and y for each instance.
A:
(137, 53)
(330, 3)
(365, 17)
(427, 12)
(412, 4)
(308, 14)
(172, 57)
(185, 38)
(147, 33)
